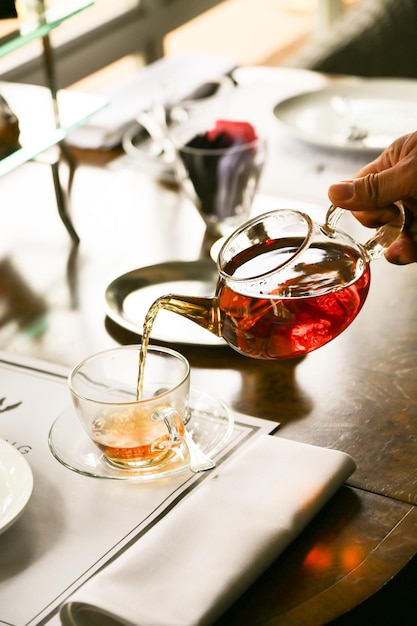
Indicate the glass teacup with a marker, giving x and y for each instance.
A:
(133, 431)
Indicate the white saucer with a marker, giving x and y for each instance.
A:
(16, 484)
(211, 425)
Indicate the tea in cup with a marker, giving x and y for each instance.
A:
(133, 430)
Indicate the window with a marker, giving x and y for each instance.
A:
(102, 34)
(112, 29)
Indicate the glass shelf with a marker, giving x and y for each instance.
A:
(53, 18)
(34, 108)
(46, 115)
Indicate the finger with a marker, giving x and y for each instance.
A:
(403, 148)
(374, 190)
(378, 217)
(403, 251)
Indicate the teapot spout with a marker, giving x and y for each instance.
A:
(204, 311)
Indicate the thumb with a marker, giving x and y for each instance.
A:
(372, 191)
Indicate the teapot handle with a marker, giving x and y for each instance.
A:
(384, 235)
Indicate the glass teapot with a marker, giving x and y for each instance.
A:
(286, 285)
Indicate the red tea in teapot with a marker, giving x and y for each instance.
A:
(300, 313)
(286, 286)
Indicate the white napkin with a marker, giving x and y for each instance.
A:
(195, 562)
(182, 74)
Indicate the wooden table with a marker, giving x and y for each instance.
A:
(357, 394)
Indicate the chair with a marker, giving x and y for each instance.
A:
(377, 38)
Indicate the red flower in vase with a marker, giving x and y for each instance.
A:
(231, 132)
(220, 178)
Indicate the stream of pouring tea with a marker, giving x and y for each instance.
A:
(147, 329)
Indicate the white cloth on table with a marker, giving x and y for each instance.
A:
(198, 559)
(182, 74)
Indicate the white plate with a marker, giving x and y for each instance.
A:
(16, 484)
(248, 76)
(128, 298)
(355, 115)
(210, 424)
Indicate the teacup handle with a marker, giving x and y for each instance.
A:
(171, 418)
(199, 461)
(384, 235)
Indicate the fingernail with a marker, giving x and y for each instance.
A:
(342, 191)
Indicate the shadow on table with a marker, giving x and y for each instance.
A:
(394, 605)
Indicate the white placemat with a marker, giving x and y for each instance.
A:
(73, 525)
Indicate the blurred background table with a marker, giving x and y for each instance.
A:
(357, 394)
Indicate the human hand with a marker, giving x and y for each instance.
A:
(371, 195)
